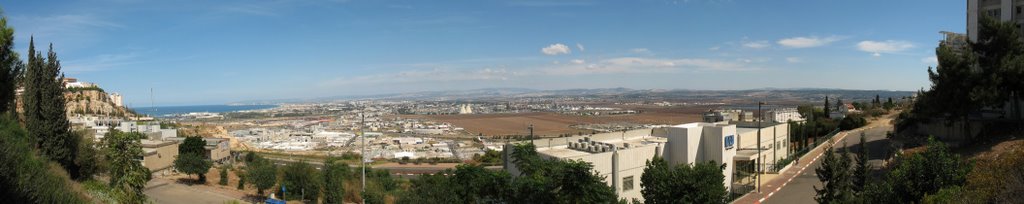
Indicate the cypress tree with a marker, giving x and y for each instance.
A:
(45, 114)
(826, 106)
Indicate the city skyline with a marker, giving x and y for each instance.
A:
(213, 53)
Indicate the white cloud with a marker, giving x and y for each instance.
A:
(639, 50)
(648, 65)
(888, 46)
(715, 48)
(580, 47)
(577, 61)
(555, 49)
(794, 60)
(930, 60)
(756, 44)
(808, 42)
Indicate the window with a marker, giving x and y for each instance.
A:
(627, 183)
(1018, 9)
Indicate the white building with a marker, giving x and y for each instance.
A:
(621, 156)
(117, 99)
(783, 115)
(466, 109)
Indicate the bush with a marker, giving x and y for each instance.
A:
(26, 177)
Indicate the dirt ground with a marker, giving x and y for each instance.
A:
(546, 123)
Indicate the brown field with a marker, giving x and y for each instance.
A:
(546, 123)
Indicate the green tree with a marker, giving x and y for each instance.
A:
(88, 160)
(192, 144)
(1000, 55)
(26, 177)
(223, 177)
(953, 81)
(45, 113)
(334, 173)
(261, 173)
(919, 174)
(302, 181)
(127, 175)
(543, 180)
(698, 183)
(431, 188)
(861, 168)
(241, 179)
(193, 164)
(191, 158)
(827, 106)
(11, 67)
(834, 175)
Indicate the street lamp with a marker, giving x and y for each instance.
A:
(760, 161)
(362, 156)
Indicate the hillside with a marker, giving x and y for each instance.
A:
(93, 101)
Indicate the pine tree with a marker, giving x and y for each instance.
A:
(11, 67)
(834, 175)
(860, 171)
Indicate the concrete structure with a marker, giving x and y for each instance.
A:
(158, 155)
(1003, 10)
(621, 156)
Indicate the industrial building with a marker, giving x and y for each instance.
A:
(621, 156)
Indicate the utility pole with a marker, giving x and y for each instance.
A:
(531, 133)
(362, 155)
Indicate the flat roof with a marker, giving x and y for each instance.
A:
(558, 147)
(156, 143)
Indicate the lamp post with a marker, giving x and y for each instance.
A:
(760, 161)
(362, 155)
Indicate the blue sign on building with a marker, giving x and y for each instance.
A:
(730, 141)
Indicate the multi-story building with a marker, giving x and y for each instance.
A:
(117, 99)
(620, 157)
(1003, 10)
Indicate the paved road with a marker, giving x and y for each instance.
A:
(798, 182)
(801, 188)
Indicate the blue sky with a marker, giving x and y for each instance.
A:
(214, 52)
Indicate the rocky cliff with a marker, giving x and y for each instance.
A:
(94, 102)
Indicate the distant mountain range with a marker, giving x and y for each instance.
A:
(490, 94)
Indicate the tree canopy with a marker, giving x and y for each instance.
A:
(702, 182)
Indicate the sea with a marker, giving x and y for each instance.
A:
(164, 111)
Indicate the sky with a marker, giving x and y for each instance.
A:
(217, 52)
